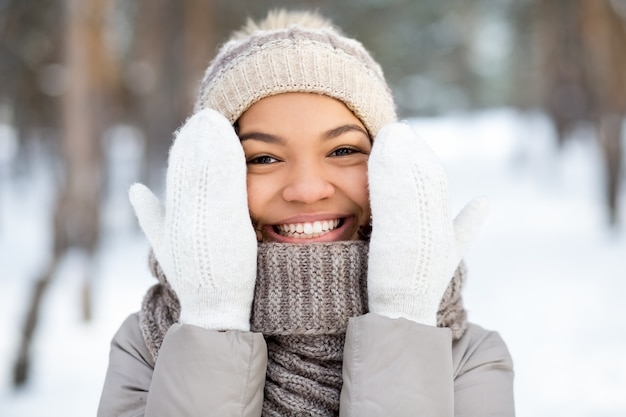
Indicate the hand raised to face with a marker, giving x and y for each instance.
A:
(415, 245)
(204, 240)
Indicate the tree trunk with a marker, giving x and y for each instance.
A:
(604, 38)
(76, 214)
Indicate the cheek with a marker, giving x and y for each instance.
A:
(362, 192)
(259, 194)
(252, 195)
(354, 183)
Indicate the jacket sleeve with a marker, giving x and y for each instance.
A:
(198, 372)
(395, 367)
(483, 379)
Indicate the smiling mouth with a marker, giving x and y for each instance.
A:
(308, 230)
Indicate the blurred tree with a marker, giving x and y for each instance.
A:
(424, 48)
(148, 79)
(566, 92)
(604, 45)
(31, 79)
(171, 46)
(523, 69)
(583, 51)
(92, 77)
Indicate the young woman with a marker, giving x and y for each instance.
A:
(306, 257)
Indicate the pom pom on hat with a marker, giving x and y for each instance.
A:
(296, 52)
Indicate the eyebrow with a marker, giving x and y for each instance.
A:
(338, 131)
(329, 134)
(263, 137)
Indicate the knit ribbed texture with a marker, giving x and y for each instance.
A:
(304, 296)
(309, 289)
(303, 375)
(159, 310)
(291, 57)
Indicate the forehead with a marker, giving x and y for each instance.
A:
(299, 111)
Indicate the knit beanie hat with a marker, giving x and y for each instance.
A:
(296, 52)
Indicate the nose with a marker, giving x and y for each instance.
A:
(308, 184)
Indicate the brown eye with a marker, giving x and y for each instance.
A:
(262, 160)
(343, 152)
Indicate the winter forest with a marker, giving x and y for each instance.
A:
(524, 101)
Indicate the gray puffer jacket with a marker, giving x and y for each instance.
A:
(391, 367)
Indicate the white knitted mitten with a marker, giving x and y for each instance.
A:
(204, 240)
(415, 246)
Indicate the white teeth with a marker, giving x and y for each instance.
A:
(307, 230)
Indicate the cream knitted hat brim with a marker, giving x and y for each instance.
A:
(296, 52)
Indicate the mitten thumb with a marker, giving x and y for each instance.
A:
(468, 222)
(149, 212)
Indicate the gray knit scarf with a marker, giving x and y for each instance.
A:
(304, 296)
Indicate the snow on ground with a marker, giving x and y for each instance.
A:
(544, 272)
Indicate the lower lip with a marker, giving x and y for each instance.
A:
(335, 235)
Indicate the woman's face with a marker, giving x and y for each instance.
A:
(307, 168)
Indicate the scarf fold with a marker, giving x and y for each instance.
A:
(304, 296)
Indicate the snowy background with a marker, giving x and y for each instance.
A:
(545, 271)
